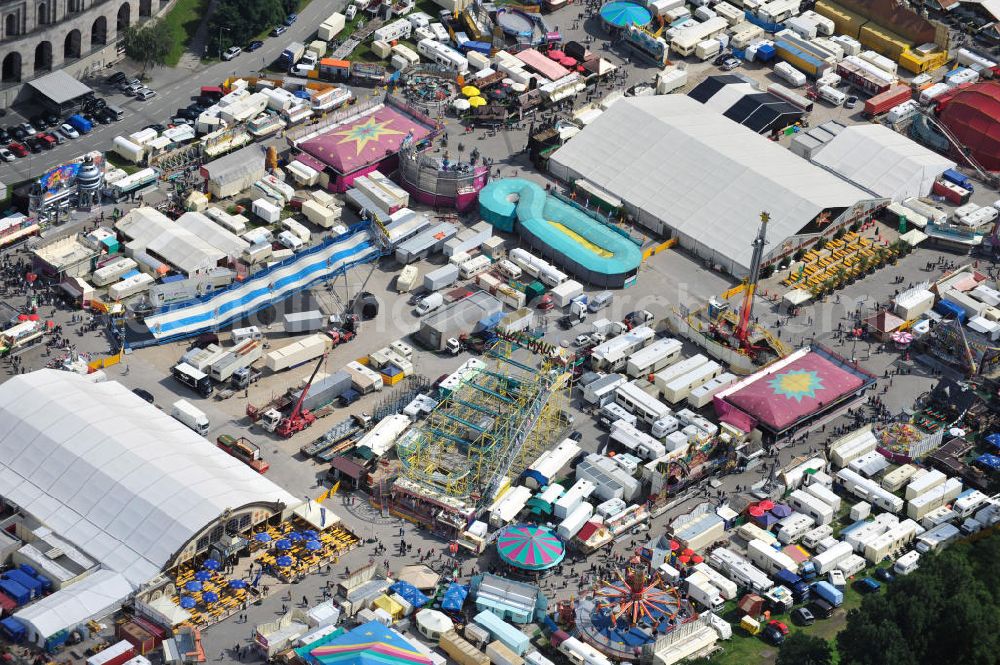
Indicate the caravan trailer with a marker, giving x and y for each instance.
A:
(443, 55)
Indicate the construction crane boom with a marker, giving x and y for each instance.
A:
(746, 310)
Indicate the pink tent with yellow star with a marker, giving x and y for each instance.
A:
(366, 140)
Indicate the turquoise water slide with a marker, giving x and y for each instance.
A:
(602, 251)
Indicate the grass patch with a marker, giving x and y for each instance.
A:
(184, 20)
(119, 162)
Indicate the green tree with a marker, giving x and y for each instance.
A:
(239, 21)
(945, 612)
(149, 44)
(804, 649)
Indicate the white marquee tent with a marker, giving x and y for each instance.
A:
(882, 161)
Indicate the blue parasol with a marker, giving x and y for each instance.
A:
(284, 561)
(310, 535)
(283, 544)
(203, 576)
(210, 597)
(187, 602)
(313, 545)
(295, 536)
(237, 584)
(211, 564)
(193, 585)
(262, 537)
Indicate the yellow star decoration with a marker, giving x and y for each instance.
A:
(366, 132)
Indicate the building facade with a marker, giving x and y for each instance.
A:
(40, 36)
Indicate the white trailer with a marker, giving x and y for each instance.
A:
(561, 294)
(637, 401)
(807, 504)
(751, 531)
(813, 537)
(924, 483)
(727, 588)
(113, 270)
(603, 390)
(297, 353)
(662, 378)
(793, 527)
(613, 354)
(130, 286)
(364, 379)
(898, 477)
(701, 590)
(769, 559)
(869, 490)
(851, 446)
(827, 560)
(919, 506)
(892, 542)
(573, 522)
(824, 494)
(653, 358)
(575, 495)
(679, 389)
(398, 29)
(639, 443)
(703, 394)
(381, 438)
(242, 355)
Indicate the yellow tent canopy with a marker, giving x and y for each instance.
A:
(470, 91)
(476, 102)
(386, 603)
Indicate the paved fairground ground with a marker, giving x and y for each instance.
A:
(666, 280)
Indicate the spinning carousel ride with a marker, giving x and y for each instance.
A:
(622, 615)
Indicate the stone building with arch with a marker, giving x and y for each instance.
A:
(40, 36)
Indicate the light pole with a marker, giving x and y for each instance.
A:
(221, 28)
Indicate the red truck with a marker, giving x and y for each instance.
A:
(951, 192)
(244, 450)
(884, 101)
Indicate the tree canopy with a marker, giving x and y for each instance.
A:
(804, 649)
(948, 611)
(149, 44)
(237, 22)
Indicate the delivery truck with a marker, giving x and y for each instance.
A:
(190, 415)
(193, 378)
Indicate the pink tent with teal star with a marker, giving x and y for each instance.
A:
(530, 547)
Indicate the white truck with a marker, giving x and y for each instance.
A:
(701, 590)
(190, 415)
(429, 304)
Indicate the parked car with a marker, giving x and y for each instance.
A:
(116, 79)
(176, 121)
(885, 575)
(144, 94)
(34, 144)
(773, 636)
(187, 114)
(5, 137)
(821, 609)
(28, 129)
(278, 31)
(18, 149)
(52, 119)
(68, 131)
(803, 617)
(156, 127)
(254, 45)
(782, 628)
(6, 155)
(39, 121)
(721, 58)
(867, 585)
(144, 394)
(47, 140)
(291, 18)
(729, 64)
(850, 102)
(582, 340)
(231, 52)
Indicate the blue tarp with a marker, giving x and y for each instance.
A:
(18, 593)
(454, 597)
(409, 593)
(992, 462)
(993, 440)
(25, 580)
(13, 629)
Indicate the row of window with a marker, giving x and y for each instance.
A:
(232, 528)
(45, 15)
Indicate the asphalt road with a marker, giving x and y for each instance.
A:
(175, 88)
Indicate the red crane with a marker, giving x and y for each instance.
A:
(300, 418)
(746, 310)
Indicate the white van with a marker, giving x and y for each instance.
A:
(600, 301)
(351, 12)
(243, 334)
(832, 95)
(508, 269)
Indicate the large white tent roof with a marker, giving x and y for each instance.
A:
(202, 226)
(94, 596)
(701, 173)
(115, 476)
(882, 161)
(149, 229)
